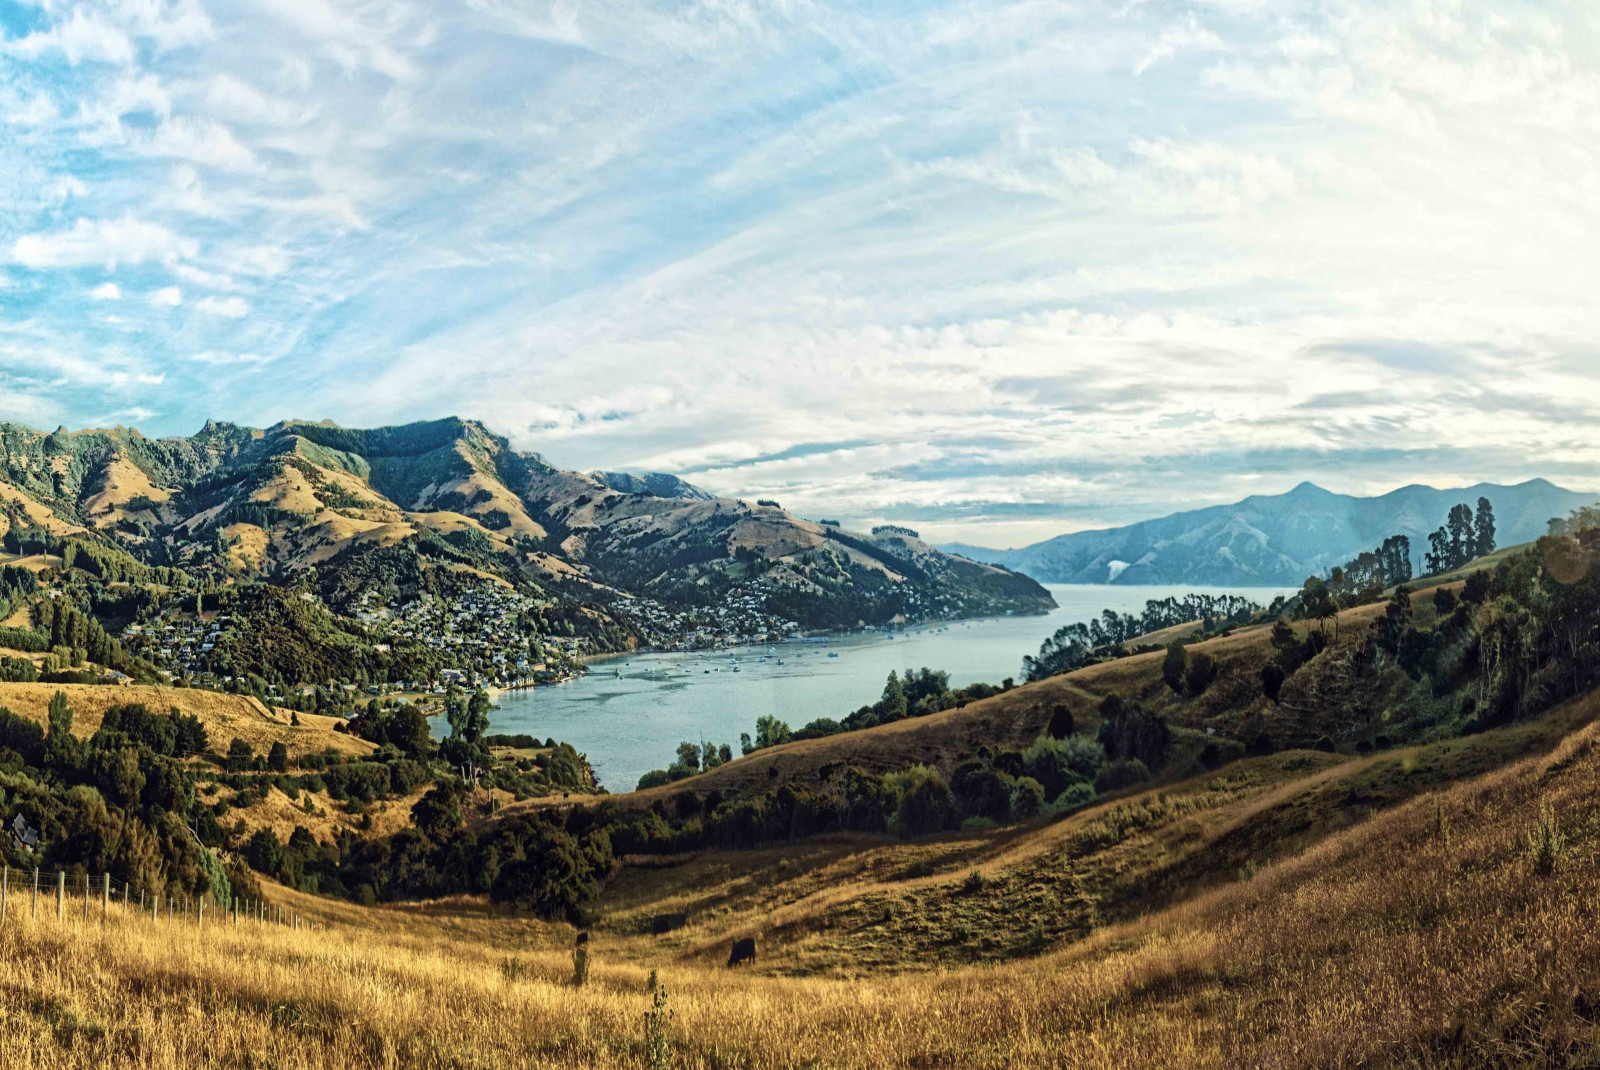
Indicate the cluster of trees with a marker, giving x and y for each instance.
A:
(1186, 676)
(1290, 652)
(1462, 538)
(121, 802)
(1076, 645)
(281, 638)
(1365, 577)
(1580, 519)
(16, 585)
(112, 565)
(25, 538)
(71, 629)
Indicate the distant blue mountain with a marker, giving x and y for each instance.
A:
(1275, 540)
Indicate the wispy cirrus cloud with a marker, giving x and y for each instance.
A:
(1000, 270)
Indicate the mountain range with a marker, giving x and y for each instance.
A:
(306, 502)
(1275, 540)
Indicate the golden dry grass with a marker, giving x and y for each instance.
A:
(1423, 937)
(224, 716)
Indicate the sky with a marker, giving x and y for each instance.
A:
(994, 270)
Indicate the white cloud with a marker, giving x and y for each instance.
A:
(85, 36)
(168, 296)
(127, 240)
(106, 291)
(227, 307)
(200, 141)
(214, 357)
(1071, 257)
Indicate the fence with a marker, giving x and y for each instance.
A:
(90, 897)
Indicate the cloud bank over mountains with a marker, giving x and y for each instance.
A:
(996, 270)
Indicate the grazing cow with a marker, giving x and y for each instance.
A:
(743, 951)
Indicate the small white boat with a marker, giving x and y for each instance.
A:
(832, 654)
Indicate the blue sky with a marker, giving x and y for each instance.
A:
(1002, 270)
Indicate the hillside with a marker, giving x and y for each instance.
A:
(1275, 540)
(225, 717)
(1271, 914)
(374, 517)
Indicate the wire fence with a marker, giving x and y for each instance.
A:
(35, 893)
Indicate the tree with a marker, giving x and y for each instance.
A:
(1200, 675)
(1272, 677)
(240, 756)
(438, 813)
(1173, 666)
(892, 706)
(770, 732)
(478, 708)
(689, 755)
(1062, 724)
(61, 749)
(1483, 529)
(1459, 527)
(1319, 604)
(278, 757)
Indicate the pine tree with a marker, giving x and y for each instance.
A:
(1483, 529)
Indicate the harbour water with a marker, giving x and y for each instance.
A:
(631, 723)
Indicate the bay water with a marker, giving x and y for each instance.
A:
(632, 710)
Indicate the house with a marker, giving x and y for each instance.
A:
(23, 836)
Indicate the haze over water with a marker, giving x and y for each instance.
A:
(631, 724)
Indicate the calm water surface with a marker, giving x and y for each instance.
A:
(632, 723)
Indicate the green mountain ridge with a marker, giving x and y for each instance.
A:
(305, 502)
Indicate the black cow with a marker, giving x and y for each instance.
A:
(743, 951)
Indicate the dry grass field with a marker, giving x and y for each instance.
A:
(1420, 908)
(224, 716)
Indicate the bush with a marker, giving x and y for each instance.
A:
(1546, 844)
(1056, 763)
(1074, 797)
(925, 804)
(982, 791)
(1121, 773)
(18, 671)
(1027, 799)
(1202, 671)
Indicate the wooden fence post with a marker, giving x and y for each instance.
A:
(86, 897)
(200, 913)
(61, 897)
(105, 896)
(35, 910)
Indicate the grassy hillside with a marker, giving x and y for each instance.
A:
(1434, 932)
(225, 717)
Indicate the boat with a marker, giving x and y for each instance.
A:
(736, 668)
(780, 661)
(833, 654)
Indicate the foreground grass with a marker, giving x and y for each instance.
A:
(1434, 933)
